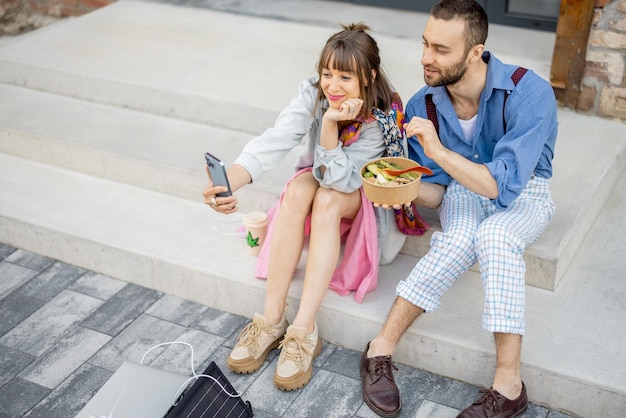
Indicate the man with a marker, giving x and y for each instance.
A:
(491, 156)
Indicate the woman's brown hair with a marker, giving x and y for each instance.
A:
(354, 50)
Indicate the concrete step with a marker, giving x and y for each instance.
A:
(179, 247)
(166, 155)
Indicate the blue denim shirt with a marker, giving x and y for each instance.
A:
(524, 150)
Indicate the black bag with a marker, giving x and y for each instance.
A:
(207, 399)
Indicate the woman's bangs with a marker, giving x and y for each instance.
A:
(341, 60)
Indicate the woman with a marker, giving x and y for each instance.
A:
(344, 110)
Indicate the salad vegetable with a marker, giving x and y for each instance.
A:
(375, 173)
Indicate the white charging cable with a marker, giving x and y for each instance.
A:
(193, 372)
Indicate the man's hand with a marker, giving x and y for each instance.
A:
(426, 134)
(474, 176)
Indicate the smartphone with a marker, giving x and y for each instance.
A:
(218, 173)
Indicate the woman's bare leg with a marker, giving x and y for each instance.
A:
(329, 207)
(287, 243)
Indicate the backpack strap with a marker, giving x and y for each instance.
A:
(431, 109)
(516, 77)
(518, 74)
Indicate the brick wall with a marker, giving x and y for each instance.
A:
(603, 89)
(65, 8)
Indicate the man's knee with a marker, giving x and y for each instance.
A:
(460, 239)
(492, 234)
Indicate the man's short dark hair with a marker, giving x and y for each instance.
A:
(471, 12)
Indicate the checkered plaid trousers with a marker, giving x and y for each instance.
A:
(474, 230)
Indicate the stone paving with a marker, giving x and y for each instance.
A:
(65, 330)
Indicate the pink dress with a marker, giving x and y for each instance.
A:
(358, 269)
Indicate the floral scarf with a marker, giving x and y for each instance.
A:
(391, 124)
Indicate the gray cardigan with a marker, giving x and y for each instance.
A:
(303, 116)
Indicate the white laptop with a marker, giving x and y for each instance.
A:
(135, 391)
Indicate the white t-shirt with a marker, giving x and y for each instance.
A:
(468, 127)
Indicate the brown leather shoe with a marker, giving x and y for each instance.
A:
(492, 404)
(379, 388)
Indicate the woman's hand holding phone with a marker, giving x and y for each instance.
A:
(219, 204)
(218, 193)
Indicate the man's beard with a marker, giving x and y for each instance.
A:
(447, 76)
